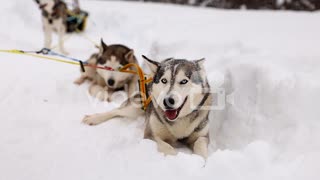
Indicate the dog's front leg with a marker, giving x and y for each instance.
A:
(81, 79)
(127, 111)
(96, 119)
(99, 92)
(200, 147)
(47, 36)
(61, 34)
(87, 75)
(90, 72)
(165, 147)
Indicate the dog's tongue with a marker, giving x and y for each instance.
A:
(171, 114)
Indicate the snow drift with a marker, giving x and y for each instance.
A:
(266, 63)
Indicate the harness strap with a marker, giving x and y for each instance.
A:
(142, 83)
(14, 51)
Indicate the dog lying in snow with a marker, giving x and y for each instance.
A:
(105, 82)
(54, 19)
(179, 110)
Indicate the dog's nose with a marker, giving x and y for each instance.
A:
(169, 102)
(50, 21)
(111, 82)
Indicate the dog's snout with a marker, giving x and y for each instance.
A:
(169, 102)
(111, 82)
(50, 21)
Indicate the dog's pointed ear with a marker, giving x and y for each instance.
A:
(153, 65)
(103, 46)
(129, 56)
(200, 62)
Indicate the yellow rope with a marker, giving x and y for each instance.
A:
(142, 83)
(15, 51)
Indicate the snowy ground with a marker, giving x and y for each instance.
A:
(268, 61)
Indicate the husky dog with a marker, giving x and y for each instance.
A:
(106, 82)
(54, 19)
(179, 93)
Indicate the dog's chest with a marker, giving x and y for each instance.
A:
(183, 128)
(53, 24)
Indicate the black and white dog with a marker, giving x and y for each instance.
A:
(54, 19)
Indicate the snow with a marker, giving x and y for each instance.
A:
(267, 63)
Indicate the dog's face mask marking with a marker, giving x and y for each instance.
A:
(52, 9)
(177, 86)
(114, 57)
(47, 5)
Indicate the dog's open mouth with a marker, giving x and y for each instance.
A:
(172, 114)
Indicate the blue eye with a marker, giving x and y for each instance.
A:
(185, 81)
(164, 81)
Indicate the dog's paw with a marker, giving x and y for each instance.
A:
(78, 81)
(64, 52)
(103, 96)
(171, 152)
(167, 150)
(91, 120)
(98, 92)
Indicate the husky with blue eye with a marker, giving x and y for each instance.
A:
(179, 110)
(107, 81)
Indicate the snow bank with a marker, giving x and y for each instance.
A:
(267, 63)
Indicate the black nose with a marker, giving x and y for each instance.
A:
(50, 21)
(168, 102)
(111, 82)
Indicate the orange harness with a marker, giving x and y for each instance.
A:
(143, 81)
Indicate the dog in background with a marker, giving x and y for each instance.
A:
(181, 102)
(106, 82)
(54, 19)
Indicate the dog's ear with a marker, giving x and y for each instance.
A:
(103, 46)
(153, 65)
(129, 56)
(200, 62)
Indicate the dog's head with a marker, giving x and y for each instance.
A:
(178, 86)
(114, 57)
(46, 5)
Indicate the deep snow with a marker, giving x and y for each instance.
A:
(266, 62)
